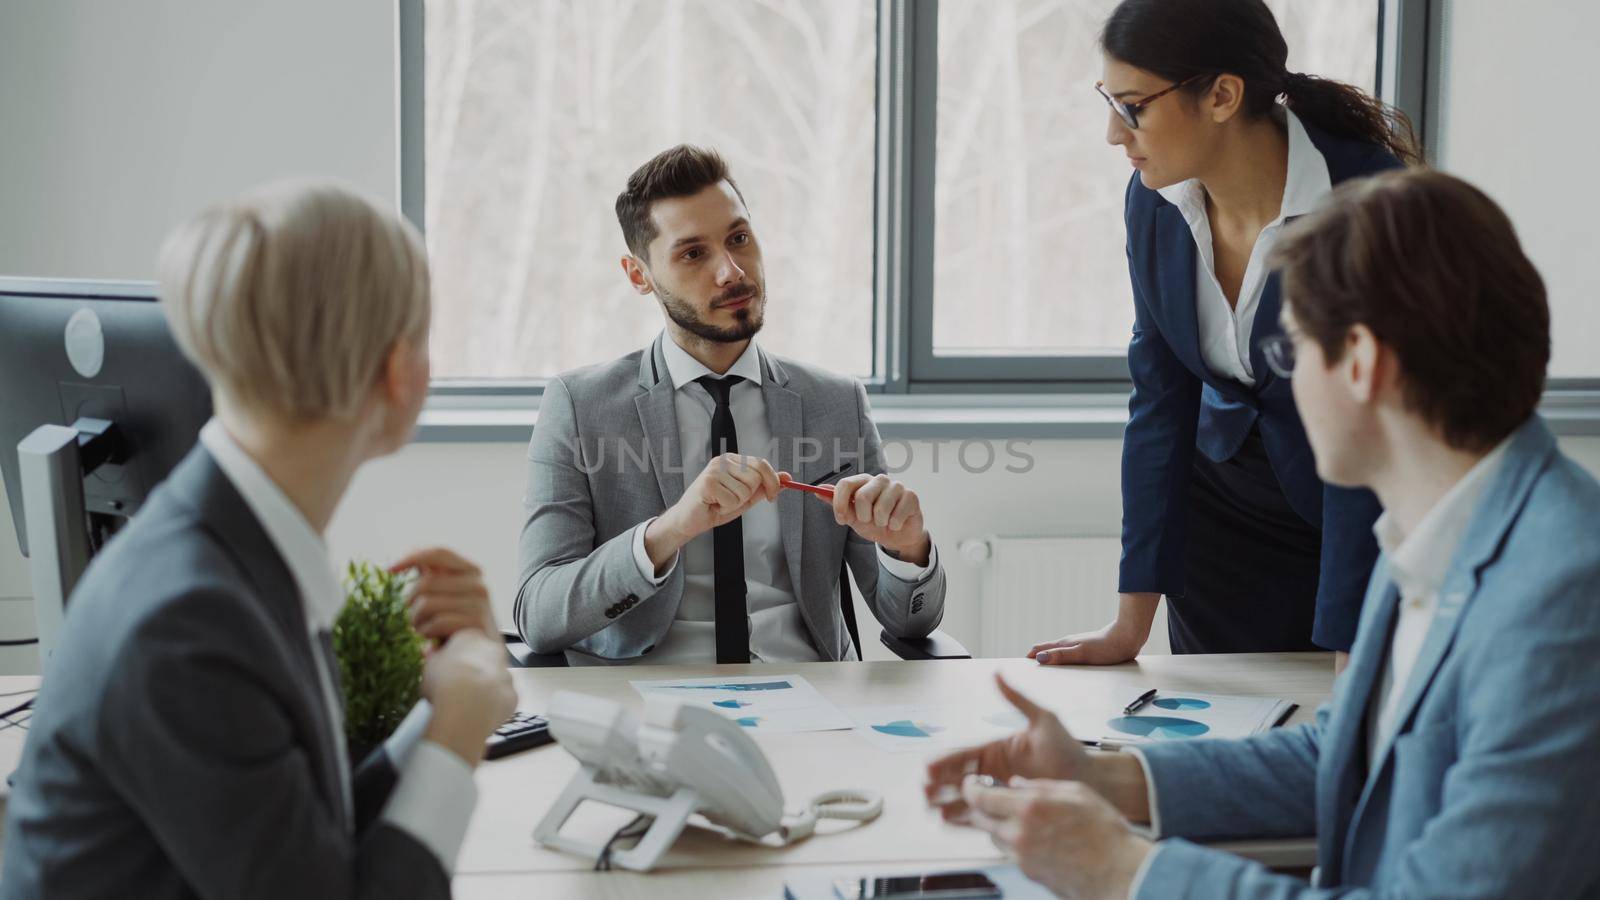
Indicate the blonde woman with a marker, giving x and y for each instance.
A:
(189, 735)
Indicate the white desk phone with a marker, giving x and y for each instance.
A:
(677, 761)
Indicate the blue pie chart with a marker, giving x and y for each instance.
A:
(1161, 728)
(1180, 703)
(909, 729)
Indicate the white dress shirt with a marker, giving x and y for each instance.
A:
(1418, 563)
(777, 632)
(435, 794)
(1225, 330)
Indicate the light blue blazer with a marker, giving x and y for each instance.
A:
(1490, 786)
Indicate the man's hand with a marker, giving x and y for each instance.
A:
(449, 595)
(885, 512)
(728, 486)
(469, 686)
(1063, 834)
(1115, 643)
(1042, 749)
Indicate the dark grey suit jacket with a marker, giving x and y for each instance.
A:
(181, 744)
(605, 458)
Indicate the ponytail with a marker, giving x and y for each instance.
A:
(1339, 108)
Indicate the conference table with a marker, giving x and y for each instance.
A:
(500, 858)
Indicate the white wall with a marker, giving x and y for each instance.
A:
(1515, 121)
(124, 117)
(16, 599)
(468, 496)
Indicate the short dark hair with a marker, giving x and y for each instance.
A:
(1433, 267)
(681, 171)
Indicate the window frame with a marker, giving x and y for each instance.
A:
(903, 357)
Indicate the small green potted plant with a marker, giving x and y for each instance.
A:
(379, 653)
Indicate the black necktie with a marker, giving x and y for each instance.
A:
(733, 626)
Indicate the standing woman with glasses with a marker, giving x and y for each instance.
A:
(1223, 511)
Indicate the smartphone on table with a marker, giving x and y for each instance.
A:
(941, 886)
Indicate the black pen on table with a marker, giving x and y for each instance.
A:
(1142, 699)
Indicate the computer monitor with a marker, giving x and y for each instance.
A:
(94, 361)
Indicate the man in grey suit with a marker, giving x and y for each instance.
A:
(188, 740)
(1457, 757)
(658, 528)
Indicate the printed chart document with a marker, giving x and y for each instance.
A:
(1169, 716)
(773, 703)
(906, 729)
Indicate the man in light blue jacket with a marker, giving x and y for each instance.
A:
(1459, 754)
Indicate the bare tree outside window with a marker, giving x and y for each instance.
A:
(538, 110)
(1029, 241)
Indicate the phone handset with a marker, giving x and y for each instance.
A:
(700, 749)
(679, 761)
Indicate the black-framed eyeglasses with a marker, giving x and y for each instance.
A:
(1129, 112)
(1278, 350)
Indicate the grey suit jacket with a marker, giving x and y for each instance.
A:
(1487, 787)
(604, 458)
(181, 745)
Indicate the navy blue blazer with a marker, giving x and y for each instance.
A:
(1179, 405)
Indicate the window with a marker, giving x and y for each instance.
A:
(536, 113)
(1028, 254)
(1011, 225)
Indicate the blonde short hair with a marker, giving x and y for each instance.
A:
(291, 297)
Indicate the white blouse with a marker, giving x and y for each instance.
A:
(1225, 331)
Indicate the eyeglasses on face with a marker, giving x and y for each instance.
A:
(1278, 350)
(1129, 112)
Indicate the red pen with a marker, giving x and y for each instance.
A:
(824, 491)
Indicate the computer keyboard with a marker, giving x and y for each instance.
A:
(523, 731)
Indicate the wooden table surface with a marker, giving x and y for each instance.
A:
(500, 858)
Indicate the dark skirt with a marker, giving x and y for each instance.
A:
(1251, 583)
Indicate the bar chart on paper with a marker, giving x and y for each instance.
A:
(773, 703)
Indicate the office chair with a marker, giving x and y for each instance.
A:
(937, 645)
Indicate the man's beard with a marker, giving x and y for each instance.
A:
(748, 320)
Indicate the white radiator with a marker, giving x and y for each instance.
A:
(1042, 588)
